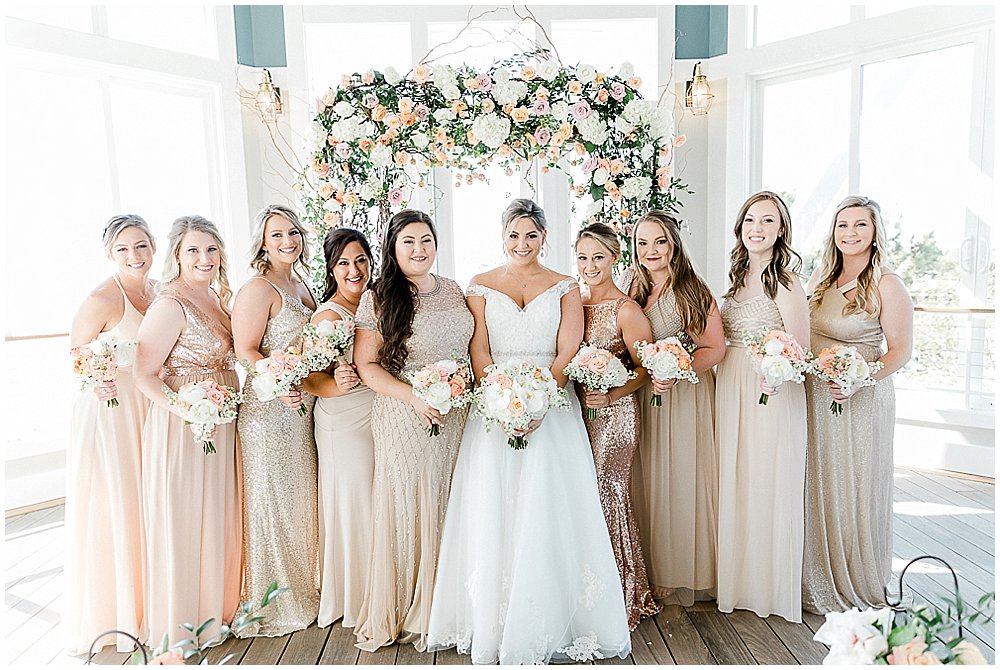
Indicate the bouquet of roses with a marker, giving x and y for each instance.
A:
(845, 367)
(326, 342)
(275, 375)
(778, 357)
(97, 362)
(597, 370)
(443, 385)
(666, 359)
(205, 405)
(515, 393)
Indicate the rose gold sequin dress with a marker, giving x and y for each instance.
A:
(762, 462)
(614, 439)
(280, 529)
(848, 546)
(104, 510)
(191, 500)
(412, 477)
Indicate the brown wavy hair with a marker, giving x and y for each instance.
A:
(395, 296)
(866, 299)
(333, 248)
(784, 263)
(693, 297)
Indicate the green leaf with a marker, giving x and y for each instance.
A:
(188, 627)
(902, 635)
(204, 626)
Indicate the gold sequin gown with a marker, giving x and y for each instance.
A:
(848, 545)
(280, 528)
(614, 439)
(762, 461)
(676, 478)
(346, 468)
(412, 477)
(104, 510)
(191, 500)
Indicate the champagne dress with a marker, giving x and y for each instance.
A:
(676, 477)
(346, 468)
(848, 545)
(104, 510)
(412, 477)
(762, 461)
(278, 451)
(614, 439)
(191, 500)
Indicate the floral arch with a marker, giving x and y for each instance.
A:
(378, 135)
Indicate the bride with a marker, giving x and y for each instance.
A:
(526, 572)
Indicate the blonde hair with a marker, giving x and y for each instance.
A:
(866, 298)
(116, 224)
(259, 261)
(691, 293)
(784, 263)
(604, 234)
(172, 267)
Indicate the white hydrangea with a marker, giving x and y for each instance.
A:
(450, 92)
(638, 112)
(661, 124)
(509, 92)
(332, 205)
(626, 71)
(491, 129)
(381, 156)
(369, 190)
(646, 152)
(348, 130)
(623, 126)
(444, 114)
(593, 129)
(548, 69)
(559, 110)
(637, 187)
(593, 207)
(586, 73)
(343, 109)
(501, 75)
(391, 76)
(420, 140)
(443, 75)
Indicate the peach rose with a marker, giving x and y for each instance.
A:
(516, 407)
(969, 654)
(215, 396)
(325, 191)
(172, 657)
(603, 95)
(913, 652)
(488, 106)
(328, 98)
(421, 73)
(393, 121)
(528, 73)
(573, 86)
(379, 113)
(331, 218)
(680, 140)
(368, 77)
(520, 114)
(405, 105)
(320, 169)
(351, 198)
(457, 386)
(635, 82)
(275, 366)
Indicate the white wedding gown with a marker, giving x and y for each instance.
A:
(526, 573)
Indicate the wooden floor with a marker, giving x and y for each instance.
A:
(934, 514)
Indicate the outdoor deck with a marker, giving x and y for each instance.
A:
(946, 516)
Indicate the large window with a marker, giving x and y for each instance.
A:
(780, 22)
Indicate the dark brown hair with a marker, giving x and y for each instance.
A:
(333, 248)
(784, 263)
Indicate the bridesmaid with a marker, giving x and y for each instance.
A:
(855, 300)
(614, 322)
(409, 318)
(278, 452)
(343, 416)
(762, 448)
(676, 476)
(191, 500)
(103, 488)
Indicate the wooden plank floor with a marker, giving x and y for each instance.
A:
(947, 516)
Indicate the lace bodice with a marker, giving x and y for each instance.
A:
(204, 346)
(751, 314)
(528, 333)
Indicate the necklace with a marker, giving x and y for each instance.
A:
(523, 283)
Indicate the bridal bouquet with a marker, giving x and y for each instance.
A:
(597, 370)
(275, 375)
(845, 367)
(97, 362)
(778, 357)
(325, 342)
(443, 385)
(205, 405)
(515, 393)
(666, 359)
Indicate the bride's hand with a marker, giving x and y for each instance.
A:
(597, 400)
(531, 428)
(425, 411)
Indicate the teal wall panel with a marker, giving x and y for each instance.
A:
(702, 30)
(260, 35)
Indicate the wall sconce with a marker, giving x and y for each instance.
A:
(697, 94)
(268, 98)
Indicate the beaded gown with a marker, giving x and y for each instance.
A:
(104, 509)
(412, 477)
(762, 453)
(614, 439)
(527, 573)
(191, 500)
(346, 468)
(278, 451)
(848, 544)
(675, 479)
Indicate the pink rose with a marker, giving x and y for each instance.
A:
(275, 367)
(368, 77)
(215, 396)
(542, 135)
(328, 98)
(484, 82)
(540, 106)
(172, 657)
(581, 110)
(598, 365)
(396, 196)
(291, 360)
(590, 165)
(421, 111)
(343, 151)
(617, 90)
